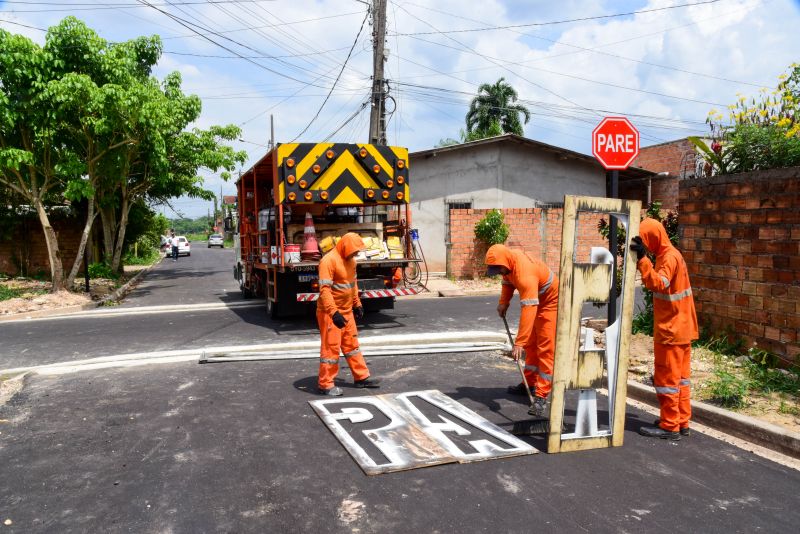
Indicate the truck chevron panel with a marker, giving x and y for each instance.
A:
(342, 174)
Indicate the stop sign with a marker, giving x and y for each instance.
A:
(615, 143)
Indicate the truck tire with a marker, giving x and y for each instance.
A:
(246, 293)
(272, 309)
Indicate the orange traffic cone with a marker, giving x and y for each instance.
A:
(310, 250)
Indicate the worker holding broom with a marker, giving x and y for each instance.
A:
(674, 328)
(536, 336)
(337, 309)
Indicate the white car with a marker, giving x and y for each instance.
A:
(216, 240)
(184, 249)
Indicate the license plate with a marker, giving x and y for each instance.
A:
(306, 277)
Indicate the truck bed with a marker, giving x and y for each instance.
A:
(312, 265)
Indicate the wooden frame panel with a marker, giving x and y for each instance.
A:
(584, 282)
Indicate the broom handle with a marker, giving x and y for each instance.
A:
(519, 363)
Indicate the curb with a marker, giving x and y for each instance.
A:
(742, 426)
(68, 310)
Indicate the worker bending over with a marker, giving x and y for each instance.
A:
(337, 309)
(674, 328)
(536, 336)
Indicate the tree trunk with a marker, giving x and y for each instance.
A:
(108, 218)
(116, 265)
(53, 254)
(87, 228)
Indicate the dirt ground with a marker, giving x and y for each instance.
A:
(760, 406)
(37, 296)
(479, 284)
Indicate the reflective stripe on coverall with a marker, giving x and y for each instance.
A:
(338, 291)
(674, 324)
(538, 295)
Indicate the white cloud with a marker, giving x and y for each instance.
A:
(744, 40)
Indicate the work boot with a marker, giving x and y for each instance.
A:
(658, 432)
(519, 389)
(684, 431)
(335, 391)
(371, 383)
(539, 407)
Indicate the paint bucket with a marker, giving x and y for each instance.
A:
(273, 255)
(291, 253)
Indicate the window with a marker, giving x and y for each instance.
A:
(453, 205)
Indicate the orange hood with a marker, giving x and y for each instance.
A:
(500, 255)
(350, 243)
(654, 236)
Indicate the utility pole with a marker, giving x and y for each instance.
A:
(377, 116)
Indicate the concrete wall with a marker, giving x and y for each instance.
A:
(498, 175)
(740, 236)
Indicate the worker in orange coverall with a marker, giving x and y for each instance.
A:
(674, 328)
(337, 309)
(536, 336)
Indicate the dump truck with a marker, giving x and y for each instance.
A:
(340, 188)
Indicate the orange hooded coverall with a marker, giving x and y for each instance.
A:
(338, 291)
(675, 324)
(538, 297)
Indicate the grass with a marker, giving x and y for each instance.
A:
(7, 293)
(196, 237)
(146, 257)
(739, 376)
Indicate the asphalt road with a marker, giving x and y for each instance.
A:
(235, 447)
(206, 277)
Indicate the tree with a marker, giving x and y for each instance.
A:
(35, 162)
(494, 112)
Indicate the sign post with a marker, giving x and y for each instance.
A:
(615, 144)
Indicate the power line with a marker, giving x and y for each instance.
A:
(191, 27)
(358, 35)
(581, 78)
(596, 51)
(554, 22)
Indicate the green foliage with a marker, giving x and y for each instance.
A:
(197, 226)
(494, 112)
(7, 293)
(729, 390)
(147, 256)
(491, 229)
(102, 270)
(760, 133)
(766, 379)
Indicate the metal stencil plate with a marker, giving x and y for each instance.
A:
(398, 432)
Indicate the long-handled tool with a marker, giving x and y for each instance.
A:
(519, 362)
(534, 426)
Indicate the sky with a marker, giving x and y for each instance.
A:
(663, 63)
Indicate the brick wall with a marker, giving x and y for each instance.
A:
(537, 231)
(740, 236)
(27, 247)
(676, 158)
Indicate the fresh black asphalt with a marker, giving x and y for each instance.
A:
(235, 447)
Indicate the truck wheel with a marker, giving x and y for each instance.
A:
(272, 309)
(246, 293)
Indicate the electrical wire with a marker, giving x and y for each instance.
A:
(565, 21)
(358, 35)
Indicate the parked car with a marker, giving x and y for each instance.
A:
(184, 248)
(216, 240)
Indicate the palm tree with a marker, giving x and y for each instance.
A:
(493, 111)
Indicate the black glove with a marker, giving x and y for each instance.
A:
(358, 312)
(339, 320)
(638, 247)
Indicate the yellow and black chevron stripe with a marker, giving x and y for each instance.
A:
(343, 174)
